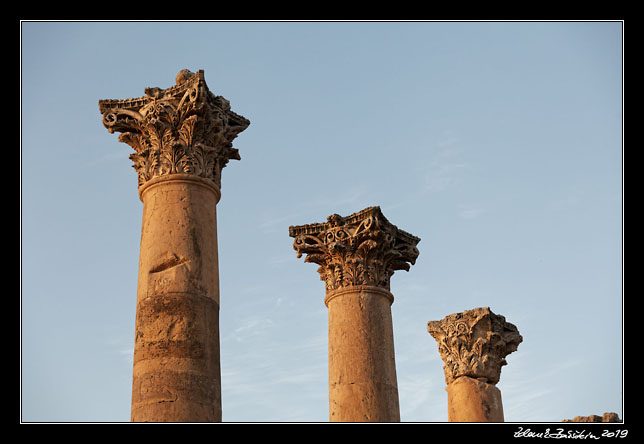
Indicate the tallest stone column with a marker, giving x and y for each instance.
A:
(182, 137)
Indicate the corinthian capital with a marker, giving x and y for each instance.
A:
(183, 129)
(361, 249)
(474, 343)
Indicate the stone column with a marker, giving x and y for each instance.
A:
(473, 345)
(182, 137)
(357, 256)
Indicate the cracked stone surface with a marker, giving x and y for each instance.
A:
(606, 417)
(182, 139)
(357, 256)
(176, 375)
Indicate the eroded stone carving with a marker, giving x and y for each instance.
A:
(606, 417)
(474, 343)
(361, 249)
(183, 129)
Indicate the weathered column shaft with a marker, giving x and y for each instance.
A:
(472, 400)
(182, 137)
(473, 345)
(362, 369)
(357, 255)
(176, 352)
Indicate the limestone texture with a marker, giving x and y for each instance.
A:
(176, 375)
(362, 370)
(363, 248)
(182, 139)
(473, 345)
(473, 400)
(184, 129)
(606, 417)
(357, 255)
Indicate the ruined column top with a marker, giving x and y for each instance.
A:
(183, 129)
(606, 417)
(363, 248)
(474, 343)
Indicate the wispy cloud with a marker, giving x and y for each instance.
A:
(117, 153)
(441, 171)
(275, 373)
(448, 140)
(422, 398)
(531, 396)
(444, 169)
(273, 224)
(470, 211)
(441, 175)
(127, 353)
(251, 327)
(120, 345)
(569, 199)
(344, 202)
(278, 260)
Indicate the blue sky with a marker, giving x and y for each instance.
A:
(499, 144)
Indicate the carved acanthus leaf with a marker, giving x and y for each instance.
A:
(184, 129)
(474, 343)
(361, 249)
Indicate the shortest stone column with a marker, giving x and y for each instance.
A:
(473, 345)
